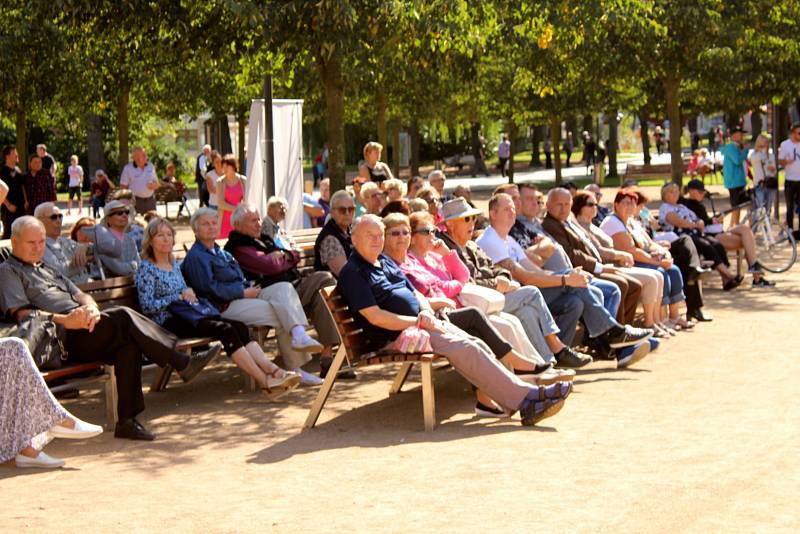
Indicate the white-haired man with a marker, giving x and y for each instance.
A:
(384, 303)
(62, 254)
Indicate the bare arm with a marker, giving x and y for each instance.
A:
(675, 220)
(529, 274)
(388, 320)
(336, 263)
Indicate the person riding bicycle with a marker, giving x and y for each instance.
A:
(739, 237)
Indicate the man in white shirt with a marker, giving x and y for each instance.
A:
(204, 164)
(789, 158)
(557, 288)
(140, 177)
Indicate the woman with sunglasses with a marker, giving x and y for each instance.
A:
(439, 274)
(584, 207)
(333, 244)
(434, 200)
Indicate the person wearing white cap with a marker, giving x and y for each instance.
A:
(116, 247)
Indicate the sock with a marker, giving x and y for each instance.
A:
(298, 331)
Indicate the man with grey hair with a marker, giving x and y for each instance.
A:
(117, 336)
(264, 263)
(384, 304)
(62, 253)
(48, 162)
(276, 213)
(437, 178)
(140, 177)
(215, 274)
(202, 167)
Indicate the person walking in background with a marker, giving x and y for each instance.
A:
(202, 166)
(100, 188)
(765, 175)
(733, 174)
(75, 172)
(39, 185)
(789, 158)
(503, 153)
(568, 146)
(548, 151)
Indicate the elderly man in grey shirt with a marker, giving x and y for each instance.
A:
(66, 256)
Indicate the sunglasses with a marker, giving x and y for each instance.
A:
(349, 209)
(426, 231)
(591, 204)
(470, 218)
(56, 217)
(118, 213)
(398, 233)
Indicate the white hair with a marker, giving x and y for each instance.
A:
(367, 218)
(197, 215)
(275, 201)
(43, 208)
(434, 173)
(338, 196)
(23, 223)
(242, 210)
(366, 190)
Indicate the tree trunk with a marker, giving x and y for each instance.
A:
(475, 132)
(224, 132)
(513, 130)
(671, 88)
(613, 144)
(242, 121)
(333, 84)
(645, 135)
(94, 142)
(122, 126)
(414, 159)
(383, 136)
(536, 140)
(555, 140)
(21, 125)
(396, 148)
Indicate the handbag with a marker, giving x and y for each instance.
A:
(412, 339)
(43, 337)
(486, 299)
(193, 312)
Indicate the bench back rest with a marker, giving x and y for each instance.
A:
(117, 291)
(352, 336)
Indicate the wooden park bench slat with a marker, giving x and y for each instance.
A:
(352, 340)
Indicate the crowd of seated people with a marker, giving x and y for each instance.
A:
(503, 303)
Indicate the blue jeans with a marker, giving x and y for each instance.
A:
(612, 296)
(527, 304)
(673, 283)
(595, 316)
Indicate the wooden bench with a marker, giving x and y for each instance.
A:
(352, 341)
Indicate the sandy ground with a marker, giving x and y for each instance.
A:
(701, 436)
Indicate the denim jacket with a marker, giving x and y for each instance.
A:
(214, 275)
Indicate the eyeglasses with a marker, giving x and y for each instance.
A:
(56, 217)
(425, 231)
(348, 209)
(541, 203)
(591, 204)
(118, 213)
(470, 218)
(398, 233)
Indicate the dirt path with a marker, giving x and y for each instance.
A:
(701, 436)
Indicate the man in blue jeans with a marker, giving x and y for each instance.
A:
(600, 324)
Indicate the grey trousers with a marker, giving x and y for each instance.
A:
(314, 305)
(473, 359)
(527, 304)
(277, 306)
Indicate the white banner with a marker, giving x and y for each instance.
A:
(287, 125)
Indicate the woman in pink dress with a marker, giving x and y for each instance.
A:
(230, 193)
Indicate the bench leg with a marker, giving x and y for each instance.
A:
(428, 400)
(111, 396)
(400, 379)
(325, 389)
(161, 379)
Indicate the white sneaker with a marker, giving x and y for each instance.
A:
(42, 461)
(82, 430)
(306, 343)
(307, 379)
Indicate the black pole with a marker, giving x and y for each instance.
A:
(269, 140)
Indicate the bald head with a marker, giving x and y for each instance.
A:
(559, 203)
(367, 237)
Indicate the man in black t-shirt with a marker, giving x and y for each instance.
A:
(13, 206)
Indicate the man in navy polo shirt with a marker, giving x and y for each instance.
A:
(384, 303)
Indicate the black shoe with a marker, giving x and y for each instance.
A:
(344, 374)
(132, 429)
(572, 359)
(699, 316)
(626, 336)
(733, 283)
(763, 282)
(198, 361)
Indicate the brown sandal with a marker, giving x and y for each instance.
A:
(279, 385)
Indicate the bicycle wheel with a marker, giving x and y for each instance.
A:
(776, 247)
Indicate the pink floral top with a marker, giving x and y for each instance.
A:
(436, 276)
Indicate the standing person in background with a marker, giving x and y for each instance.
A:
(39, 185)
(13, 206)
(765, 175)
(568, 146)
(788, 156)
(503, 153)
(658, 137)
(373, 169)
(75, 172)
(324, 200)
(735, 155)
(140, 177)
(230, 193)
(213, 176)
(100, 189)
(547, 148)
(321, 164)
(480, 158)
(589, 148)
(48, 161)
(202, 166)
